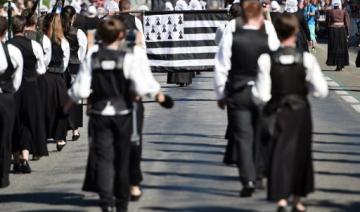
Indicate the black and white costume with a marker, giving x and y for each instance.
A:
(106, 78)
(29, 130)
(235, 72)
(10, 80)
(284, 79)
(56, 93)
(44, 41)
(78, 46)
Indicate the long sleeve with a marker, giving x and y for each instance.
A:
(262, 89)
(140, 74)
(47, 50)
(39, 54)
(18, 62)
(3, 64)
(83, 43)
(66, 50)
(81, 87)
(273, 39)
(347, 22)
(223, 60)
(316, 82)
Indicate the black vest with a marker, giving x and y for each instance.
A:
(109, 85)
(72, 38)
(56, 63)
(247, 46)
(25, 46)
(288, 81)
(6, 79)
(36, 36)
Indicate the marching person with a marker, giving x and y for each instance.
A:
(78, 46)
(10, 80)
(29, 131)
(106, 79)
(285, 77)
(56, 93)
(339, 27)
(234, 77)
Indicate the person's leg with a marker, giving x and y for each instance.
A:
(103, 139)
(297, 204)
(122, 129)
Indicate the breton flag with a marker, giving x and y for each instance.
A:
(182, 40)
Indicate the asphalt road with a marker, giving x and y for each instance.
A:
(182, 157)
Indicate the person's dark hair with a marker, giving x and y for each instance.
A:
(235, 10)
(3, 25)
(18, 24)
(124, 5)
(286, 26)
(67, 15)
(108, 30)
(251, 9)
(30, 21)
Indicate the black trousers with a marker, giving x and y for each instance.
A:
(136, 150)
(243, 118)
(111, 140)
(7, 118)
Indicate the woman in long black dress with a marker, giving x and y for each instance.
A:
(285, 77)
(338, 22)
(56, 120)
(78, 45)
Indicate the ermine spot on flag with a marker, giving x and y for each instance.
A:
(182, 40)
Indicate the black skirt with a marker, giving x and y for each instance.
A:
(179, 77)
(7, 117)
(75, 119)
(291, 167)
(56, 97)
(338, 54)
(29, 129)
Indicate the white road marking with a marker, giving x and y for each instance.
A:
(327, 78)
(356, 107)
(342, 92)
(350, 99)
(333, 84)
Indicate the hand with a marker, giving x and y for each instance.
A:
(221, 103)
(165, 100)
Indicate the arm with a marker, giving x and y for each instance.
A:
(347, 22)
(39, 54)
(262, 89)
(82, 39)
(223, 62)
(81, 87)
(3, 64)
(47, 50)
(140, 74)
(66, 50)
(273, 39)
(316, 82)
(17, 61)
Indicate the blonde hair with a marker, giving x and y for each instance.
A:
(55, 30)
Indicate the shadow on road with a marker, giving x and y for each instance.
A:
(197, 209)
(337, 143)
(185, 134)
(195, 176)
(203, 162)
(336, 160)
(337, 134)
(335, 207)
(337, 152)
(356, 175)
(193, 151)
(50, 198)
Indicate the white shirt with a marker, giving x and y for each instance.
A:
(39, 54)
(111, 6)
(136, 69)
(46, 44)
(17, 62)
(223, 56)
(66, 51)
(316, 83)
(3, 64)
(195, 5)
(83, 42)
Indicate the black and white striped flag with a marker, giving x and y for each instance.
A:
(182, 40)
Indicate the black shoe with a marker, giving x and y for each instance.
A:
(107, 208)
(75, 137)
(121, 209)
(25, 167)
(294, 209)
(17, 168)
(281, 209)
(248, 189)
(59, 147)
